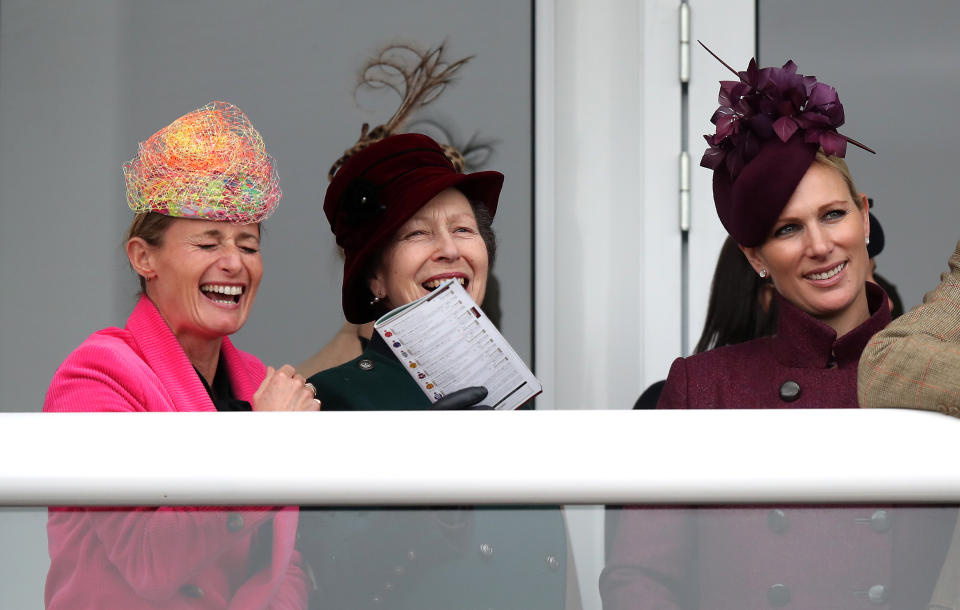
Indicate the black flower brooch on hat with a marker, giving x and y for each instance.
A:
(360, 206)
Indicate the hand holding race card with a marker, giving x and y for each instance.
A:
(447, 344)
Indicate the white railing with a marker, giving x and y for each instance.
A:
(556, 457)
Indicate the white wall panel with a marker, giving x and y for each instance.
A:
(728, 29)
(608, 248)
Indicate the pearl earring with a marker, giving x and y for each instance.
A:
(763, 273)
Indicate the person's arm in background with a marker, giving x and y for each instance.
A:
(915, 362)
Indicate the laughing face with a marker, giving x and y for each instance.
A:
(441, 241)
(816, 253)
(203, 276)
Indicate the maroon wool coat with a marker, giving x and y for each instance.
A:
(756, 374)
(745, 558)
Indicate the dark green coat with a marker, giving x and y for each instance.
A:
(430, 558)
(375, 381)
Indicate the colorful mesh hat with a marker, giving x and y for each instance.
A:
(770, 125)
(210, 164)
(378, 189)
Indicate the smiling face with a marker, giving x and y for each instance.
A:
(816, 253)
(441, 241)
(202, 276)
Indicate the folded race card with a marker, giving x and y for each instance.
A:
(447, 344)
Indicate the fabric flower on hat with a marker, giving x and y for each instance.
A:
(210, 163)
(767, 103)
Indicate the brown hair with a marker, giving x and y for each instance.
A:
(485, 227)
(150, 227)
(736, 309)
(841, 166)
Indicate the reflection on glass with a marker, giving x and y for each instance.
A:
(810, 557)
(174, 558)
(775, 557)
(349, 558)
(437, 558)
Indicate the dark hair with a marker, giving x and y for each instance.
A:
(484, 227)
(897, 310)
(736, 311)
(150, 227)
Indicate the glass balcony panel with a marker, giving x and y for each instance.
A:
(776, 556)
(769, 556)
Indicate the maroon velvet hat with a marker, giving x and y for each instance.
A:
(770, 125)
(377, 190)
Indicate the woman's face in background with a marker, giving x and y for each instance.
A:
(439, 242)
(206, 276)
(816, 253)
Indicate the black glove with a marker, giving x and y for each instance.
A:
(467, 398)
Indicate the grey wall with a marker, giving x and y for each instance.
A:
(82, 83)
(894, 65)
(60, 196)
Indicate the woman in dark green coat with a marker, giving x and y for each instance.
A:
(408, 218)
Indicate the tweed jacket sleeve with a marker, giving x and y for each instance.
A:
(915, 362)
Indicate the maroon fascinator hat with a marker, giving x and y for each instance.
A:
(770, 125)
(378, 189)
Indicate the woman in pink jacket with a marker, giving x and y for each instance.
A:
(200, 188)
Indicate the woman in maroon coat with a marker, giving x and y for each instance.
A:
(786, 196)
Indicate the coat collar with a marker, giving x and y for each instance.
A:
(165, 356)
(802, 341)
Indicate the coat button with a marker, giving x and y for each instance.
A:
(486, 550)
(191, 591)
(878, 594)
(778, 595)
(777, 521)
(553, 563)
(365, 364)
(789, 391)
(880, 521)
(235, 522)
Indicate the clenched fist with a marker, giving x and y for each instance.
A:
(284, 389)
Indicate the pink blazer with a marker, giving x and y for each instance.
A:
(167, 557)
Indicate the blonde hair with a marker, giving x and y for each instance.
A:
(841, 166)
